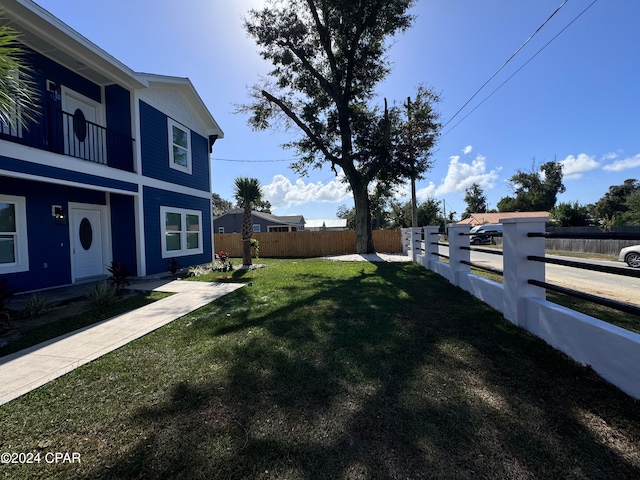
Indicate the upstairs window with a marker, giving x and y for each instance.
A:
(179, 147)
(181, 232)
(14, 254)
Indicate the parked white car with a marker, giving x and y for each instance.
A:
(631, 255)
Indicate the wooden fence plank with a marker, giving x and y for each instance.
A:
(307, 244)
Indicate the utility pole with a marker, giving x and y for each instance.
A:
(414, 206)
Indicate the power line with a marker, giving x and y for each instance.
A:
(252, 161)
(505, 63)
(522, 66)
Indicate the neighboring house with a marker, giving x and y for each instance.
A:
(231, 222)
(481, 218)
(326, 225)
(115, 169)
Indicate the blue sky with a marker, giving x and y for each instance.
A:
(577, 101)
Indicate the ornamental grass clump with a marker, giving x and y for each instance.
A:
(35, 306)
(101, 294)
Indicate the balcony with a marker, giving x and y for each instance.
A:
(72, 135)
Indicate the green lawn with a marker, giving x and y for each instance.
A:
(330, 370)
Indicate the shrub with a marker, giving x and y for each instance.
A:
(5, 297)
(36, 305)
(174, 266)
(255, 244)
(195, 271)
(119, 276)
(101, 294)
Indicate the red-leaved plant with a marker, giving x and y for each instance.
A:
(119, 276)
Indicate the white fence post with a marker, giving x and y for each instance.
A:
(429, 249)
(517, 270)
(404, 233)
(456, 254)
(416, 238)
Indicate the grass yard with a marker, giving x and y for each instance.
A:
(330, 370)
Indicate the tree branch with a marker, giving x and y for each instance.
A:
(325, 40)
(326, 85)
(351, 53)
(303, 126)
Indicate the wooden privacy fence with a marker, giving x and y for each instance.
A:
(307, 244)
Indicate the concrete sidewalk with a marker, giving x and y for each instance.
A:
(28, 369)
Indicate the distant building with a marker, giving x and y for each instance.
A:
(231, 222)
(482, 218)
(326, 225)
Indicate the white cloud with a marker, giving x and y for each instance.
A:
(574, 167)
(281, 193)
(467, 150)
(461, 176)
(610, 156)
(624, 164)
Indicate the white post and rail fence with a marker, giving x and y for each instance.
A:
(612, 352)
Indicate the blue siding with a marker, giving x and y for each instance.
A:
(14, 165)
(46, 69)
(200, 161)
(123, 231)
(118, 113)
(154, 144)
(153, 200)
(118, 117)
(48, 241)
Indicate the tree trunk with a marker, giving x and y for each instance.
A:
(364, 238)
(247, 233)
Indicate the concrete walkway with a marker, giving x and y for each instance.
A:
(28, 369)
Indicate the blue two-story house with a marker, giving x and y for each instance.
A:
(115, 168)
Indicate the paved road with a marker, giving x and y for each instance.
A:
(616, 287)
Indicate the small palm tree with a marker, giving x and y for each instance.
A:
(247, 191)
(18, 103)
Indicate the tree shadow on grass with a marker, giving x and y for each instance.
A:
(392, 373)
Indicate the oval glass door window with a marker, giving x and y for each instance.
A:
(86, 234)
(79, 125)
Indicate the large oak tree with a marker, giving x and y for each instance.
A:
(328, 56)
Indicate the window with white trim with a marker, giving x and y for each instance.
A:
(256, 228)
(179, 146)
(14, 247)
(181, 232)
(220, 229)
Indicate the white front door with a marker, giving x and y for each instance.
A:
(86, 243)
(83, 136)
